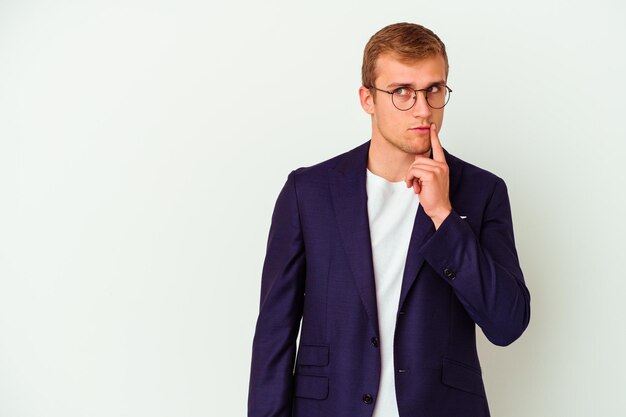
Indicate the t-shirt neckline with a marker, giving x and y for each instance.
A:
(383, 181)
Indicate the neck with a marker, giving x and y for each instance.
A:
(388, 161)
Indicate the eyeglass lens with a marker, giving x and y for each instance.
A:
(404, 98)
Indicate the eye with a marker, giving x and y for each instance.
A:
(434, 89)
(403, 92)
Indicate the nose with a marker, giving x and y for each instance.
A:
(421, 107)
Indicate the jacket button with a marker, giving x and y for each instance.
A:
(367, 398)
(374, 341)
(449, 273)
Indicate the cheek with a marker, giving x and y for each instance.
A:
(393, 121)
(391, 125)
(382, 118)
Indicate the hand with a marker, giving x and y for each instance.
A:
(431, 181)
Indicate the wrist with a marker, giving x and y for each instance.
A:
(440, 216)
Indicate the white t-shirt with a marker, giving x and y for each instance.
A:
(391, 209)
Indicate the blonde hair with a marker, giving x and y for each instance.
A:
(408, 42)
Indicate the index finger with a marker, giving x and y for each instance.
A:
(438, 154)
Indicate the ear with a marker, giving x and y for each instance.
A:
(367, 100)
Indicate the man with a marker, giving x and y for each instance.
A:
(390, 253)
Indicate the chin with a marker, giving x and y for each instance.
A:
(418, 148)
(425, 153)
(411, 146)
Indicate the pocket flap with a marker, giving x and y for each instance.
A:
(308, 386)
(313, 355)
(464, 377)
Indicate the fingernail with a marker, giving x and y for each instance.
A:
(434, 126)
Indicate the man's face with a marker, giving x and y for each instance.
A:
(395, 127)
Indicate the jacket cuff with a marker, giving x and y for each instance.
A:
(444, 250)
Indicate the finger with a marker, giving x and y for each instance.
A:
(417, 187)
(416, 184)
(437, 169)
(420, 174)
(422, 160)
(414, 181)
(438, 154)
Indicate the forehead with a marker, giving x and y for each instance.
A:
(390, 69)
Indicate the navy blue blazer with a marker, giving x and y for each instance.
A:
(318, 274)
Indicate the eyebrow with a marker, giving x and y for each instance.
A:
(411, 85)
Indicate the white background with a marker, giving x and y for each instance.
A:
(143, 145)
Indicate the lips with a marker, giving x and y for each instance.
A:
(420, 129)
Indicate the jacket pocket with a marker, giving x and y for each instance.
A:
(309, 386)
(315, 355)
(464, 377)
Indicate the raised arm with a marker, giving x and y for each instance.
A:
(484, 270)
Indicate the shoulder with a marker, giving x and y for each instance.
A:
(346, 160)
(467, 178)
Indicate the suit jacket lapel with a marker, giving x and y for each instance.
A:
(349, 196)
(423, 229)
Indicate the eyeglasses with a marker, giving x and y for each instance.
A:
(404, 98)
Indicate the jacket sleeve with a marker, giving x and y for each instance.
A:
(278, 322)
(484, 270)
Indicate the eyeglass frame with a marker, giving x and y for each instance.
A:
(415, 97)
